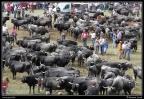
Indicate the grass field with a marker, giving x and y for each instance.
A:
(15, 88)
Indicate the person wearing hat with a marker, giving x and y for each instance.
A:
(119, 47)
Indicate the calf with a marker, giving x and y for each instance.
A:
(31, 81)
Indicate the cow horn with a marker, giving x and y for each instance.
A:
(37, 78)
(112, 87)
(58, 86)
(72, 91)
(104, 87)
(57, 79)
(77, 85)
(70, 83)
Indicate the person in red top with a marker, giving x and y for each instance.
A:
(8, 9)
(5, 82)
(14, 33)
(84, 37)
(32, 7)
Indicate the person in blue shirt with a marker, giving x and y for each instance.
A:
(106, 44)
(114, 39)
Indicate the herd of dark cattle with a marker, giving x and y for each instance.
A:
(46, 63)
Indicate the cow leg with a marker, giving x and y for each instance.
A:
(29, 89)
(13, 75)
(135, 76)
(125, 92)
(50, 90)
(33, 89)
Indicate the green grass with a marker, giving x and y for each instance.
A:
(15, 88)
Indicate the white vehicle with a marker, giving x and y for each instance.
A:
(66, 7)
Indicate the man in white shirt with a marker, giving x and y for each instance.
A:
(93, 36)
(4, 28)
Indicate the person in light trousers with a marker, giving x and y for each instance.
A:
(128, 47)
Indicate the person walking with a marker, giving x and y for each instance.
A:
(120, 50)
(114, 39)
(101, 40)
(5, 82)
(124, 49)
(93, 36)
(106, 44)
(97, 45)
(84, 37)
(128, 47)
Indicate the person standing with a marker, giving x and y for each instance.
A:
(5, 83)
(128, 47)
(12, 7)
(8, 9)
(4, 28)
(114, 40)
(15, 10)
(58, 9)
(119, 35)
(84, 37)
(101, 40)
(106, 44)
(32, 7)
(63, 34)
(97, 44)
(120, 50)
(93, 36)
(124, 49)
(23, 12)
(14, 33)
(19, 11)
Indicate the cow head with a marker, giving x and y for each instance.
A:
(24, 79)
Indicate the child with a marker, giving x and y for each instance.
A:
(5, 82)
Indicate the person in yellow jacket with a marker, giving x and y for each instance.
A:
(119, 47)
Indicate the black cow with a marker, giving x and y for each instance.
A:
(17, 66)
(52, 83)
(66, 42)
(31, 81)
(18, 23)
(38, 30)
(4, 19)
(104, 84)
(62, 26)
(137, 72)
